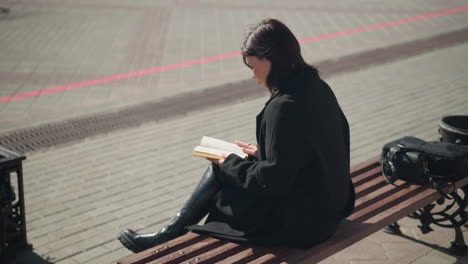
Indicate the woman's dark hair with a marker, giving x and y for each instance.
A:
(272, 40)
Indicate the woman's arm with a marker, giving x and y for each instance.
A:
(247, 148)
(285, 154)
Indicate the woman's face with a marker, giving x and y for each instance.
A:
(260, 68)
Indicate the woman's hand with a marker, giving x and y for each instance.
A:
(248, 148)
(218, 162)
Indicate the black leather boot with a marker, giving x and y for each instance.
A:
(192, 212)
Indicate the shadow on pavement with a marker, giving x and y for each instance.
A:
(460, 258)
(27, 256)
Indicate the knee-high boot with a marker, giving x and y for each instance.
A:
(194, 209)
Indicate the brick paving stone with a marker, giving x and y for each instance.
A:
(436, 259)
(113, 245)
(65, 243)
(374, 261)
(412, 251)
(438, 238)
(109, 258)
(365, 250)
(90, 254)
(68, 261)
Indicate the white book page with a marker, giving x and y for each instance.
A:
(209, 150)
(213, 143)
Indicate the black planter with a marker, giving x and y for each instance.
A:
(454, 129)
(12, 213)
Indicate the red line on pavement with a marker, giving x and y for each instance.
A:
(384, 25)
(221, 57)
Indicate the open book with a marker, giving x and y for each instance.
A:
(214, 148)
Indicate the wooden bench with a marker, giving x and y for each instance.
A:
(378, 205)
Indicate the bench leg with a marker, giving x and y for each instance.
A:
(450, 213)
(458, 246)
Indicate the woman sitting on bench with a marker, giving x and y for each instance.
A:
(295, 188)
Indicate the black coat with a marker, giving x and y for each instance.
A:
(299, 189)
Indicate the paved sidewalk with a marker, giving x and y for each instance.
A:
(78, 196)
(51, 44)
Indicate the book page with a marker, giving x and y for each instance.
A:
(226, 147)
(217, 147)
(208, 152)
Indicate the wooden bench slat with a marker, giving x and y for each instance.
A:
(459, 184)
(245, 255)
(385, 203)
(163, 249)
(370, 186)
(340, 240)
(423, 197)
(365, 176)
(273, 256)
(377, 195)
(265, 258)
(370, 164)
(217, 254)
(190, 251)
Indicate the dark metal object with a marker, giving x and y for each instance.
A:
(447, 212)
(12, 212)
(454, 129)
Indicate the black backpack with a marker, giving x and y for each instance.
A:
(433, 164)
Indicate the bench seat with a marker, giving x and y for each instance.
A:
(378, 205)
